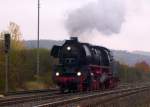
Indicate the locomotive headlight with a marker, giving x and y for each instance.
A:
(78, 73)
(68, 48)
(57, 74)
(92, 74)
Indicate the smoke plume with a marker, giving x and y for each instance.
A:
(105, 16)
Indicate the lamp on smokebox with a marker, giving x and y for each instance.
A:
(68, 48)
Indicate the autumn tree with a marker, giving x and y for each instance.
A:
(143, 66)
(14, 55)
(2, 60)
(23, 63)
(16, 35)
(132, 74)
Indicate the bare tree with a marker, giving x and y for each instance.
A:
(15, 31)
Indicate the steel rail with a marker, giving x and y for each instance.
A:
(114, 94)
(36, 98)
(44, 98)
(40, 97)
(26, 97)
(28, 92)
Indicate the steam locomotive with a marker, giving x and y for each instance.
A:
(83, 66)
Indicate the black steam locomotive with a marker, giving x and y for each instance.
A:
(83, 66)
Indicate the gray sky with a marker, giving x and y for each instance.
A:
(134, 33)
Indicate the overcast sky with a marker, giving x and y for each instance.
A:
(134, 33)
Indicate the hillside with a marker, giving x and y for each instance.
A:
(43, 43)
(130, 58)
(142, 53)
(124, 57)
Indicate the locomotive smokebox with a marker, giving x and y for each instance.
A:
(74, 39)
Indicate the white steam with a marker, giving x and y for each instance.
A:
(105, 16)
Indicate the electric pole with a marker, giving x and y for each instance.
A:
(38, 38)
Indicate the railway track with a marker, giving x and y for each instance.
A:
(31, 100)
(103, 97)
(42, 99)
(26, 93)
(25, 96)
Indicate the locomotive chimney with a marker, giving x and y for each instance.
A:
(74, 39)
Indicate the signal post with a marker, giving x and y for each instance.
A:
(7, 49)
